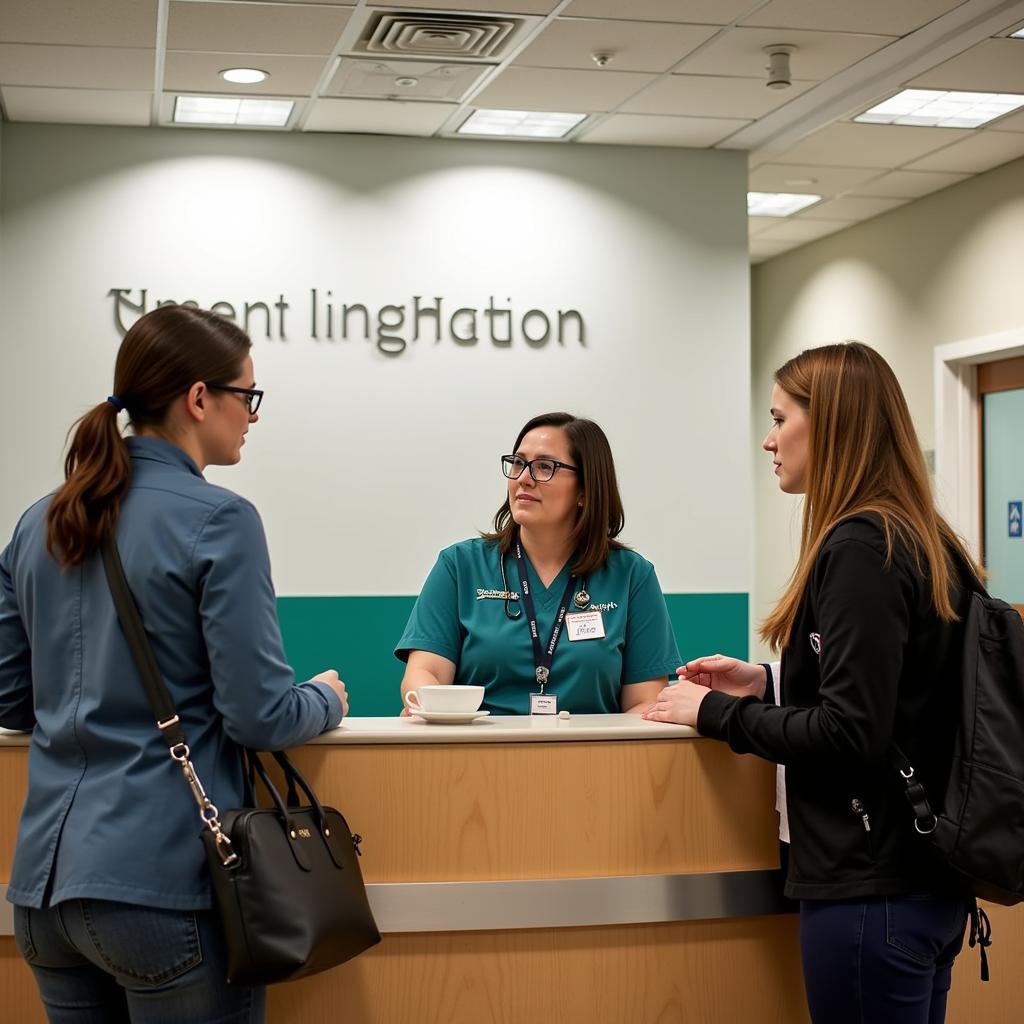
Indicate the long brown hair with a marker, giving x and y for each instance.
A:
(162, 355)
(863, 456)
(601, 519)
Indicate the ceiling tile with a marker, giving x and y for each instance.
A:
(97, 23)
(700, 12)
(758, 225)
(378, 117)
(648, 130)
(826, 181)
(907, 184)
(852, 208)
(248, 28)
(378, 79)
(76, 106)
(1010, 123)
(740, 51)
(569, 91)
(632, 46)
(500, 6)
(762, 249)
(880, 16)
(77, 67)
(200, 72)
(868, 145)
(994, 65)
(790, 230)
(711, 96)
(980, 152)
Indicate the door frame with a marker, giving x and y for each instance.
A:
(957, 483)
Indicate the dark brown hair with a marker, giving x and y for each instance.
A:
(863, 455)
(162, 355)
(601, 519)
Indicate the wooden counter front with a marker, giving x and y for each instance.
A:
(437, 809)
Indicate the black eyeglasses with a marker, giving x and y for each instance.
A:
(542, 470)
(253, 396)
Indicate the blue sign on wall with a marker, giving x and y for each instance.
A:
(1016, 518)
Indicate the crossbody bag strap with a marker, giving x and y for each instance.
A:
(159, 698)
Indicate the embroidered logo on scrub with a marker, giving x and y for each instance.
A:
(816, 643)
(496, 595)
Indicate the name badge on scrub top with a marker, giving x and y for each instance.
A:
(543, 704)
(584, 625)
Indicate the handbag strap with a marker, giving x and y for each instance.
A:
(142, 651)
(156, 691)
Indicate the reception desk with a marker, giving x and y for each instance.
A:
(596, 869)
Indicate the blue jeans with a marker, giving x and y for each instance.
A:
(886, 960)
(99, 962)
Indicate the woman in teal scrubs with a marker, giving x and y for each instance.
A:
(550, 604)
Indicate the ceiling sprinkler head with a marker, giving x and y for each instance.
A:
(602, 60)
(778, 65)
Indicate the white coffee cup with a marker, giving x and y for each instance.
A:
(458, 699)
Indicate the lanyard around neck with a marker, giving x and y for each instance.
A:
(542, 656)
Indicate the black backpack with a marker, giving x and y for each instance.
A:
(977, 827)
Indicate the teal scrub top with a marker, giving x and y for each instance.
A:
(454, 618)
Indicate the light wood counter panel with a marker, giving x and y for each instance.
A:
(13, 787)
(719, 972)
(442, 812)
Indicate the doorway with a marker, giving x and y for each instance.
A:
(1000, 390)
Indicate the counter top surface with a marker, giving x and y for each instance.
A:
(496, 729)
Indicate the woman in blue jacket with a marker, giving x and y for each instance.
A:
(111, 893)
(871, 634)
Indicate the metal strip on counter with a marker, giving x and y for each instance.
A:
(560, 902)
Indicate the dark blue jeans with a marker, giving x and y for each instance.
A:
(98, 962)
(886, 960)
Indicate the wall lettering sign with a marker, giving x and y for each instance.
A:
(392, 327)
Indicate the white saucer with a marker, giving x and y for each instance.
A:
(450, 717)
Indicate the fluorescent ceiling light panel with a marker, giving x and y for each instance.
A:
(244, 76)
(933, 108)
(778, 204)
(1019, 34)
(521, 124)
(228, 110)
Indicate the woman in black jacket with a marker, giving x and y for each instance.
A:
(870, 634)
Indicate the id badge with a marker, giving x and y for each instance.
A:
(543, 704)
(584, 625)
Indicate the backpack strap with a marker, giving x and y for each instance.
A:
(925, 819)
(981, 935)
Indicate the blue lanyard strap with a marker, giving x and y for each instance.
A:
(542, 657)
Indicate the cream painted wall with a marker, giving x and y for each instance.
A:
(945, 268)
(362, 465)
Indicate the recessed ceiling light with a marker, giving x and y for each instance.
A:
(1019, 34)
(778, 204)
(229, 110)
(244, 76)
(932, 108)
(523, 124)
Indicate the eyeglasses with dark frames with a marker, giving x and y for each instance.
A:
(253, 396)
(542, 470)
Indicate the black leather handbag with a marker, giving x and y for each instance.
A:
(286, 877)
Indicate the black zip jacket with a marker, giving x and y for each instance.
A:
(868, 663)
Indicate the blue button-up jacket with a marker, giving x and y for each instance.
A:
(108, 814)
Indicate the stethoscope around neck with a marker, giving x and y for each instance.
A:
(580, 601)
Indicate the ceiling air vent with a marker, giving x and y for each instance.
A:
(430, 34)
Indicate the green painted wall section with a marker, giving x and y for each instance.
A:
(356, 635)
